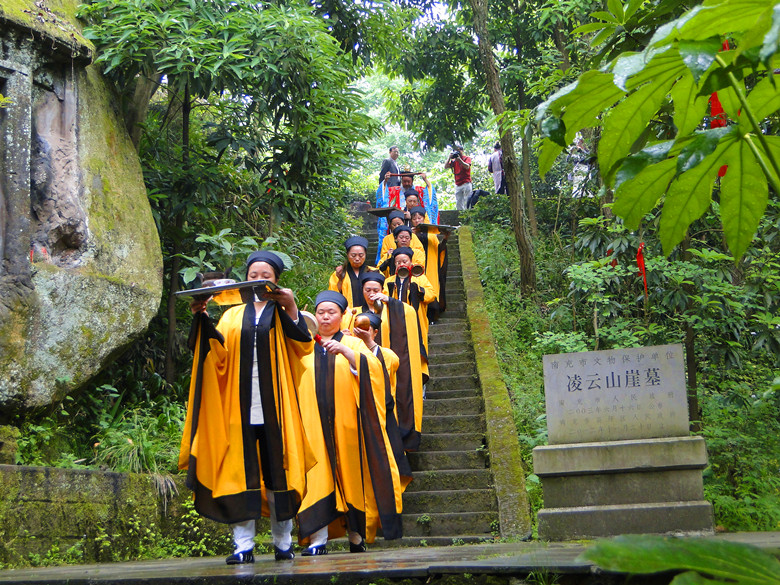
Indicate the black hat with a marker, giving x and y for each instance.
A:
(401, 228)
(393, 214)
(371, 275)
(356, 241)
(417, 209)
(269, 258)
(374, 319)
(331, 296)
(403, 250)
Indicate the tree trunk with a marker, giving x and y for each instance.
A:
(560, 44)
(511, 168)
(529, 198)
(170, 352)
(138, 106)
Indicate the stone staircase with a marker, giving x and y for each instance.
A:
(452, 498)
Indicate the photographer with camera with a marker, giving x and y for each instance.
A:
(461, 168)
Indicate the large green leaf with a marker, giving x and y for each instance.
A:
(627, 120)
(636, 163)
(699, 55)
(702, 145)
(725, 17)
(741, 564)
(594, 93)
(773, 143)
(548, 152)
(638, 196)
(689, 195)
(636, 69)
(743, 197)
(689, 108)
(772, 38)
(764, 99)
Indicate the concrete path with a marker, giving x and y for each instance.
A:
(501, 560)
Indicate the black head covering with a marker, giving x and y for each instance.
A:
(393, 214)
(331, 296)
(417, 209)
(403, 250)
(371, 276)
(376, 321)
(356, 241)
(269, 258)
(401, 228)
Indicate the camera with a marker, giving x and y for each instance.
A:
(454, 154)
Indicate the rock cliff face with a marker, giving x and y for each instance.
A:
(81, 271)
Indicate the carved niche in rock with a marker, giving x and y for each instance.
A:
(81, 266)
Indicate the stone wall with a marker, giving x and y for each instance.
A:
(80, 258)
(53, 515)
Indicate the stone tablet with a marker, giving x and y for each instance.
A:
(617, 394)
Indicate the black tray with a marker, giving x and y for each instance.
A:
(234, 293)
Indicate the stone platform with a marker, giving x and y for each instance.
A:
(493, 563)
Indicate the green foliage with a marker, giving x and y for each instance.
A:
(5, 102)
(704, 561)
(636, 155)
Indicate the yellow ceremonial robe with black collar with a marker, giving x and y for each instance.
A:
(389, 244)
(400, 332)
(418, 293)
(356, 476)
(436, 264)
(218, 446)
(349, 286)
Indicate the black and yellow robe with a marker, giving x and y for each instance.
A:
(350, 285)
(436, 265)
(400, 332)
(356, 477)
(218, 447)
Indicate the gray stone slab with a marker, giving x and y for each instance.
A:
(599, 521)
(617, 456)
(633, 393)
(624, 488)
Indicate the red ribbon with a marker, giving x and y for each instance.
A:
(640, 262)
(718, 118)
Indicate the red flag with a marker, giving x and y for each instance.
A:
(640, 262)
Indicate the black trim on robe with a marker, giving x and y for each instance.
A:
(377, 457)
(404, 394)
(248, 505)
(391, 424)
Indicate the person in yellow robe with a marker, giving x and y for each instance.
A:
(435, 259)
(243, 446)
(413, 290)
(390, 362)
(356, 476)
(346, 278)
(399, 330)
(403, 238)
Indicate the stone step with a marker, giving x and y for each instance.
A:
(454, 393)
(441, 358)
(430, 460)
(432, 524)
(445, 345)
(463, 500)
(452, 423)
(448, 332)
(452, 407)
(452, 441)
(458, 479)
(452, 369)
(452, 382)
